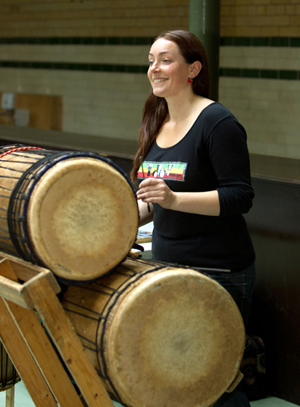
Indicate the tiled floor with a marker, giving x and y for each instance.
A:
(22, 399)
(271, 402)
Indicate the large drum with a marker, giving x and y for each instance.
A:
(8, 374)
(72, 212)
(158, 335)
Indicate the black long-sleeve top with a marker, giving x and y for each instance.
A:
(213, 155)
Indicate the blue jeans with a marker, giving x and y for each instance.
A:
(240, 285)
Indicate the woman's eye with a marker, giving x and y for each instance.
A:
(150, 62)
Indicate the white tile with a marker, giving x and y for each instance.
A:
(260, 57)
(272, 402)
(22, 397)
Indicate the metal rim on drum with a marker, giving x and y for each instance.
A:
(166, 336)
(32, 191)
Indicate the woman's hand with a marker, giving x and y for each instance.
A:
(154, 190)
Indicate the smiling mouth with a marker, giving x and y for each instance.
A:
(159, 80)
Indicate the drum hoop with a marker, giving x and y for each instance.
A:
(5, 385)
(17, 225)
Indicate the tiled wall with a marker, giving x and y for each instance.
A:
(261, 85)
(260, 18)
(91, 18)
(103, 86)
(94, 54)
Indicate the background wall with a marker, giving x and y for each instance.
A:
(260, 62)
(94, 55)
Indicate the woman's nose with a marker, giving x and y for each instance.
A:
(154, 66)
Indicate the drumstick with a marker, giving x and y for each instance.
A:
(141, 161)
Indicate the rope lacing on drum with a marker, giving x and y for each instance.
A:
(18, 224)
(101, 317)
(13, 150)
(5, 189)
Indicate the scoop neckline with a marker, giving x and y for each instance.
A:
(187, 133)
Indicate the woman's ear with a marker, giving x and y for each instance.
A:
(195, 69)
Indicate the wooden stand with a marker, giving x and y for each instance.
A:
(10, 397)
(28, 298)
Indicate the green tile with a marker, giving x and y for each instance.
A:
(231, 72)
(295, 42)
(127, 41)
(51, 40)
(66, 40)
(96, 67)
(269, 73)
(144, 40)
(226, 41)
(261, 41)
(290, 75)
(279, 42)
(242, 41)
(250, 73)
(113, 40)
(76, 40)
(101, 40)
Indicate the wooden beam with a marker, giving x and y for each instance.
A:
(23, 360)
(41, 349)
(67, 342)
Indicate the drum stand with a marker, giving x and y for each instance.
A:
(10, 397)
(27, 297)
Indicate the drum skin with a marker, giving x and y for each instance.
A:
(82, 219)
(159, 336)
(74, 213)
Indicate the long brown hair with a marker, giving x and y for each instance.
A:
(156, 108)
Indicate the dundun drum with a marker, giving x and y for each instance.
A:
(73, 212)
(158, 335)
(8, 374)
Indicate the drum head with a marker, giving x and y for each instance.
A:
(176, 339)
(82, 218)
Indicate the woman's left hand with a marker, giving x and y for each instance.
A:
(154, 190)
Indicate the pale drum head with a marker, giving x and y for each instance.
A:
(82, 218)
(173, 338)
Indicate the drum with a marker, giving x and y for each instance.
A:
(158, 335)
(73, 212)
(8, 374)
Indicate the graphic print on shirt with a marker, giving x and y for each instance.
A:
(171, 170)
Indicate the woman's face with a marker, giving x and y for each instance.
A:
(168, 71)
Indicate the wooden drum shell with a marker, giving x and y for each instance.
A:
(8, 373)
(72, 212)
(159, 336)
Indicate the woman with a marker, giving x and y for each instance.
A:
(193, 172)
